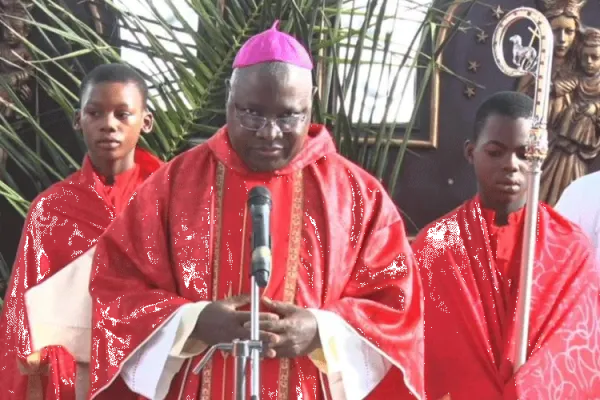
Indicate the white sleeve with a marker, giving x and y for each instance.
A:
(150, 369)
(59, 310)
(354, 367)
(578, 204)
(569, 204)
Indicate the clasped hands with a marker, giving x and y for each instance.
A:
(588, 109)
(286, 330)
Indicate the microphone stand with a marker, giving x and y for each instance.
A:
(244, 349)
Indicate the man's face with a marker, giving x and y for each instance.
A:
(112, 117)
(498, 156)
(268, 115)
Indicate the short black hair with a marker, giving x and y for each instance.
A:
(114, 73)
(507, 104)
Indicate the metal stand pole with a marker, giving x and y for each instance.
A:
(241, 353)
(242, 350)
(259, 202)
(254, 337)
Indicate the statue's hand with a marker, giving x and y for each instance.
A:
(590, 110)
(562, 87)
(558, 88)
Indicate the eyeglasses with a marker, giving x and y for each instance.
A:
(256, 122)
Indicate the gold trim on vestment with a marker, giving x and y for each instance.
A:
(205, 390)
(291, 277)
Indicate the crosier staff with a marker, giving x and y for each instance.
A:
(539, 64)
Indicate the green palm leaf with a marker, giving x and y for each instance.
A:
(185, 50)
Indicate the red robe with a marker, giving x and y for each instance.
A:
(470, 271)
(63, 222)
(338, 244)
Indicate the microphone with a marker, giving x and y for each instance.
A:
(259, 202)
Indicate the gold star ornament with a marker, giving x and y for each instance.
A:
(469, 92)
(498, 12)
(482, 36)
(473, 66)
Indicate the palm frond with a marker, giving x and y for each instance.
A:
(185, 49)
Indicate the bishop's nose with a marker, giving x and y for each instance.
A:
(270, 131)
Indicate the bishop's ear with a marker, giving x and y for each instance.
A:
(77, 120)
(468, 150)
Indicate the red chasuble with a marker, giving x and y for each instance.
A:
(63, 223)
(470, 270)
(338, 244)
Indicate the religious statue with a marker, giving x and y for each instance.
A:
(560, 167)
(577, 140)
(564, 17)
